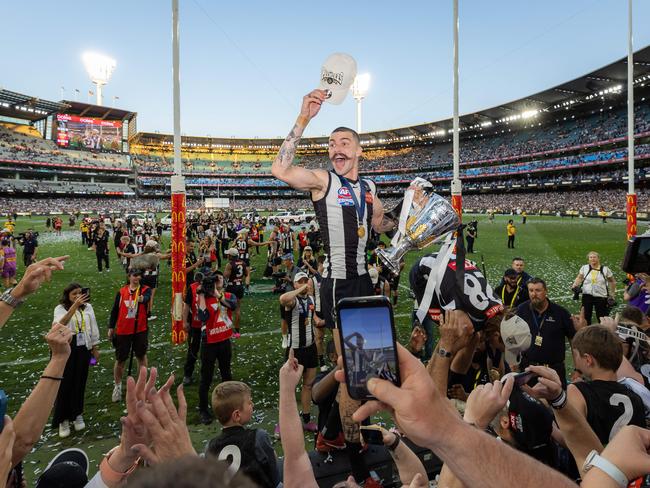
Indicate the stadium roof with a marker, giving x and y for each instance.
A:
(27, 107)
(608, 82)
(98, 111)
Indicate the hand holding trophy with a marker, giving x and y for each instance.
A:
(425, 218)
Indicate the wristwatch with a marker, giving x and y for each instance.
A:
(444, 353)
(9, 299)
(595, 460)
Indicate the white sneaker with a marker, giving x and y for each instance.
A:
(79, 423)
(117, 393)
(285, 341)
(64, 429)
(153, 317)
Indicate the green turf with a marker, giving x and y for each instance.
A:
(554, 248)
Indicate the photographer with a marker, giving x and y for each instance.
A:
(78, 315)
(598, 287)
(215, 309)
(30, 246)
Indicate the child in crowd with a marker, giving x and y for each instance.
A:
(249, 450)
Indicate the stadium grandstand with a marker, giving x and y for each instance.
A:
(561, 150)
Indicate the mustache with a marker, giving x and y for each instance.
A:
(339, 155)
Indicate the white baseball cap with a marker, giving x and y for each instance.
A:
(337, 75)
(300, 276)
(515, 334)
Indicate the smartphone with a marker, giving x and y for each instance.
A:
(526, 378)
(367, 332)
(3, 408)
(86, 291)
(372, 434)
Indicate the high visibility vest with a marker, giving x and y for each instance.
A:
(127, 313)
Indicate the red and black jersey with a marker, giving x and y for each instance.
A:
(237, 271)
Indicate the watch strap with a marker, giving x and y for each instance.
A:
(609, 468)
(9, 299)
(109, 475)
(444, 353)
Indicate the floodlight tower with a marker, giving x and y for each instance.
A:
(359, 92)
(99, 69)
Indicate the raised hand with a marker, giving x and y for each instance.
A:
(58, 338)
(485, 401)
(311, 104)
(36, 274)
(290, 372)
(456, 330)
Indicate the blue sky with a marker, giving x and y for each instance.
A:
(372, 323)
(246, 65)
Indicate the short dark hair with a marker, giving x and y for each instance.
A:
(517, 259)
(354, 133)
(537, 281)
(600, 343)
(630, 313)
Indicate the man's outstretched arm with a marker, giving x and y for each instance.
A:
(283, 168)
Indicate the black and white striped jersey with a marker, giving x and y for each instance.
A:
(339, 224)
(300, 319)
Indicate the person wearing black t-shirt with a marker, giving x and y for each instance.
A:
(30, 247)
(100, 244)
(510, 291)
(191, 263)
(607, 404)
(549, 325)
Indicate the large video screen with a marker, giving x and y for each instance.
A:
(88, 133)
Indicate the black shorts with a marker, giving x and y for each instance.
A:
(307, 356)
(123, 344)
(150, 280)
(237, 290)
(332, 290)
(393, 281)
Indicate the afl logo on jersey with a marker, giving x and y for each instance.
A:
(344, 198)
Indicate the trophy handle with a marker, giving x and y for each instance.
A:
(393, 256)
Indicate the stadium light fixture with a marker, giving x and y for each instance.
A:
(359, 91)
(99, 68)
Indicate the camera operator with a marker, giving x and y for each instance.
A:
(30, 246)
(215, 309)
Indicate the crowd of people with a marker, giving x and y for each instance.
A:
(483, 382)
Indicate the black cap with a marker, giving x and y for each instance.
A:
(510, 272)
(68, 469)
(531, 424)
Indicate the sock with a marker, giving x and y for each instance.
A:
(321, 361)
(394, 299)
(305, 418)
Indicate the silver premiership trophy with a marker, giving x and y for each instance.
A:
(425, 218)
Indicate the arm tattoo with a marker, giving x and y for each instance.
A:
(288, 148)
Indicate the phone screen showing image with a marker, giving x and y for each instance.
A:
(368, 344)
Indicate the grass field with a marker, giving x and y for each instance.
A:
(553, 248)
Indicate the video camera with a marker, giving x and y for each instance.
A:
(22, 235)
(637, 255)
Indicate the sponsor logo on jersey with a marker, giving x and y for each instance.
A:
(344, 198)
